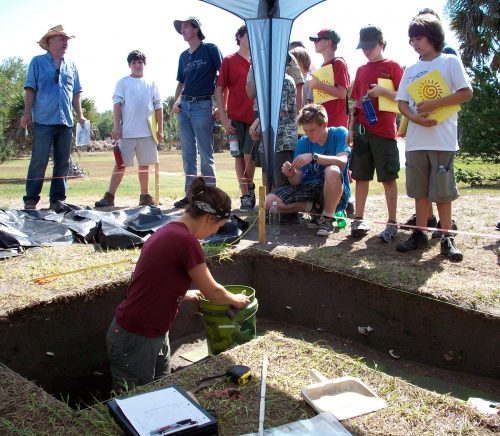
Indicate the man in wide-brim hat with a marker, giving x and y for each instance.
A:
(196, 77)
(52, 88)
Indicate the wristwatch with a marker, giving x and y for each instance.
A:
(315, 158)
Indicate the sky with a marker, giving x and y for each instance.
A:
(107, 30)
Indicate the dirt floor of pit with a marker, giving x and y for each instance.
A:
(457, 384)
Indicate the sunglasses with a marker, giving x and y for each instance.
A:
(56, 75)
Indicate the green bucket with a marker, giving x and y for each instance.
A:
(223, 332)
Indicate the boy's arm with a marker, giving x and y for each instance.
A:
(116, 133)
(377, 91)
(461, 96)
(177, 95)
(353, 119)
(221, 106)
(420, 119)
(159, 124)
(339, 159)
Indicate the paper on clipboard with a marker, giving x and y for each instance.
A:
(324, 75)
(153, 410)
(153, 124)
(430, 87)
(386, 104)
(82, 134)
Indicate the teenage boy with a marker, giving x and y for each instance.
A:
(325, 43)
(431, 147)
(134, 101)
(196, 78)
(318, 172)
(236, 114)
(374, 145)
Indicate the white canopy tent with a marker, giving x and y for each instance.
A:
(269, 23)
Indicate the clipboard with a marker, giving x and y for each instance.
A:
(385, 104)
(153, 124)
(324, 75)
(169, 404)
(431, 86)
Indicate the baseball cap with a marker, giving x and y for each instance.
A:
(369, 37)
(194, 21)
(326, 34)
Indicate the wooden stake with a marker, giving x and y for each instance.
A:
(262, 215)
(157, 183)
(262, 409)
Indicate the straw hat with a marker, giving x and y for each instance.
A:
(54, 31)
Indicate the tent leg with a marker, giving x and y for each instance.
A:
(262, 215)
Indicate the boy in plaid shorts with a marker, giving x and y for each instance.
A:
(318, 172)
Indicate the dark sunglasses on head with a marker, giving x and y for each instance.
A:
(56, 75)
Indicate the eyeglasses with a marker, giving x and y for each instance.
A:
(56, 75)
(320, 38)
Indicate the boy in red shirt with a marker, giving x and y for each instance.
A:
(374, 145)
(325, 43)
(236, 114)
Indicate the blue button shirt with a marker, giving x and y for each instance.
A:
(53, 101)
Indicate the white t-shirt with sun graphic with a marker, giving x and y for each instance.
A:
(443, 136)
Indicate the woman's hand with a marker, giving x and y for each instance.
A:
(193, 295)
(240, 301)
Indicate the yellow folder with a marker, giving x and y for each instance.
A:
(154, 126)
(429, 87)
(386, 104)
(324, 75)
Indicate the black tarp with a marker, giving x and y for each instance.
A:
(126, 228)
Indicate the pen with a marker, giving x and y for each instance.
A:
(173, 426)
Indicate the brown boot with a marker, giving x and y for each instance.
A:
(107, 201)
(146, 200)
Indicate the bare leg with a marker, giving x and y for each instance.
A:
(249, 172)
(421, 209)
(285, 208)
(361, 194)
(116, 179)
(444, 210)
(391, 198)
(332, 189)
(239, 166)
(144, 179)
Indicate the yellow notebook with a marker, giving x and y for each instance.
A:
(386, 104)
(324, 75)
(429, 87)
(154, 126)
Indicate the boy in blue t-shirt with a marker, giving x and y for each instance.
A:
(318, 173)
(431, 147)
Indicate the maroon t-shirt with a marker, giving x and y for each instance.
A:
(366, 75)
(160, 281)
(337, 109)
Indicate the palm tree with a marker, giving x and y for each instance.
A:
(476, 24)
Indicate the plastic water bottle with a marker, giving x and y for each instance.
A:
(274, 220)
(234, 146)
(441, 169)
(339, 218)
(369, 110)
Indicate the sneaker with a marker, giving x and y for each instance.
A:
(412, 221)
(389, 233)
(251, 192)
(30, 204)
(246, 203)
(146, 200)
(438, 234)
(107, 201)
(449, 250)
(313, 222)
(326, 226)
(54, 205)
(182, 203)
(417, 239)
(359, 228)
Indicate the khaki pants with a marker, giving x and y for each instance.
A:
(136, 360)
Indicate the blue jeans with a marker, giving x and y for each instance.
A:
(45, 137)
(196, 134)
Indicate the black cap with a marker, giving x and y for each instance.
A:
(369, 37)
(326, 34)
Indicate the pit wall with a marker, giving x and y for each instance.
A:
(416, 328)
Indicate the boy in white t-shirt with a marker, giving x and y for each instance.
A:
(431, 147)
(134, 101)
